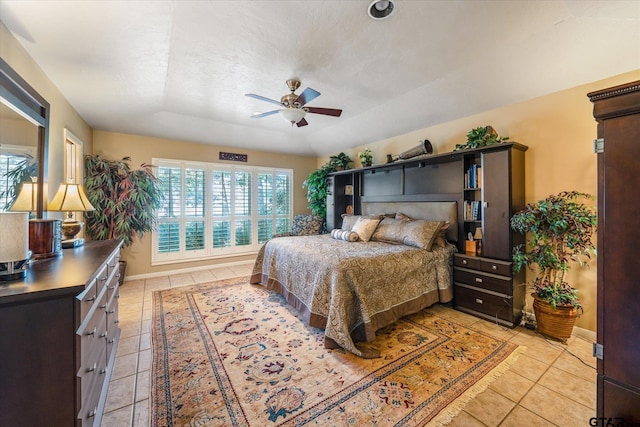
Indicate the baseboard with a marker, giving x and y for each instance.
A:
(183, 270)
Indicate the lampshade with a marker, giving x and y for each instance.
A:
(27, 200)
(14, 229)
(293, 115)
(70, 197)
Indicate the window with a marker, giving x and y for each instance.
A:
(17, 164)
(214, 209)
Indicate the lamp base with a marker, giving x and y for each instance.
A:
(72, 243)
(44, 238)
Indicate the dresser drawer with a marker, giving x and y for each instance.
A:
(90, 382)
(490, 304)
(102, 278)
(87, 299)
(502, 268)
(492, 282)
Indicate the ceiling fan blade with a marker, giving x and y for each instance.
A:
(262, 98)
(307, 95)
(326, 111)
(268, 113)
(302, 122)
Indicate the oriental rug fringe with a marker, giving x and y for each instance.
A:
(229, 353)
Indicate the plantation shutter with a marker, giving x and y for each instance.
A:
(170, 183)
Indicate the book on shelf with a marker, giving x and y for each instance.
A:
(471, 210)
(473, 176)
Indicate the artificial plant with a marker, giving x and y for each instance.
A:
(560, 229)
(481, 137)
(126, 200)
(340, 161)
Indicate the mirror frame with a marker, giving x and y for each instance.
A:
(26, 101)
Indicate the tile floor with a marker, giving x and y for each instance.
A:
(547, 385)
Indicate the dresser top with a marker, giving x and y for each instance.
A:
(62, 275)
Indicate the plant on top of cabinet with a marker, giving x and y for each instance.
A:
(340, 161)
(316, 185)
(560, 227)
(126, 200)
(366, 158)
(481, 137)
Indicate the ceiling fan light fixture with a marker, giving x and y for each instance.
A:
(293, 115)
(381, 9)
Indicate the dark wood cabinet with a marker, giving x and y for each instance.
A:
(617, 111)
(488, 186)
(58, 338)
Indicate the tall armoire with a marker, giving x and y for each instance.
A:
(617, 111)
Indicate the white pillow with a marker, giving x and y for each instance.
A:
(365, 227)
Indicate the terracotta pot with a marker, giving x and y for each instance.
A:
(554, 322)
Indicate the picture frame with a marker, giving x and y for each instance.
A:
(348, 190)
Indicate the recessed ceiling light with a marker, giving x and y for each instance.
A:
(381, 9)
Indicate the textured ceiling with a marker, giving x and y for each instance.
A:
(179, 69)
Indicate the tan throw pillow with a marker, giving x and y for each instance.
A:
(440, 240)
(421, 233)
(389, 230)
(365, 227)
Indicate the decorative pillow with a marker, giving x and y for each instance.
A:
(348, 221)
(365, 227)
(305, 225)
(346, 235)
(440, 240)
(411, 232)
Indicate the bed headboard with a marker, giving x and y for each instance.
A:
(439, 211)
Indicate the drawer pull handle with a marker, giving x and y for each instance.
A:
(92, 368)
(93, 412)
(111, 341)
(92, 332)
(103, 279)
(103, 371)
(116, 321)
(103, 335)
(111, 311)
(478, 300)
(112, 287)
(103, 306)
(479, 280)
(464, 261)
(90, 299)
(494, 267)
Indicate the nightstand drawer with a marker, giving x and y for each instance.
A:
(502, 268)
(482, 280)
(490, 304)
(466, 262)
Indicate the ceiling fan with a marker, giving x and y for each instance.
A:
(294, 106)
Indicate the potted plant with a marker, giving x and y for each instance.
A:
(316, 185)
(481, 137)
(366, 158)
(125, 200)
(560, 229)
(340, 161)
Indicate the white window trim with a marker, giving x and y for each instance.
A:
(209, 252)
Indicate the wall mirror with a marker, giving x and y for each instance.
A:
(24, 136)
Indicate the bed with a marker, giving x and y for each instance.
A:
(352, 289)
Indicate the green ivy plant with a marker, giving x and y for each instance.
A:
(560, 228)
(340, 161)
(481, 137)
(316, 185)
(126, 200)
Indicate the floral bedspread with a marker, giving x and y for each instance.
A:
(352, 289)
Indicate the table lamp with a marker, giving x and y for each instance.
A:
(70, 198)
(44, 234)
(14, 250)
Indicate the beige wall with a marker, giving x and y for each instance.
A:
(558, 129)
(62, 114)
(142, 149)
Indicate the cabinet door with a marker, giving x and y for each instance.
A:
(496, 206)
(331, 218)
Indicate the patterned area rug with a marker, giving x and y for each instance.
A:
(233, 354)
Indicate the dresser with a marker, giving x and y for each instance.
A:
(58, 338)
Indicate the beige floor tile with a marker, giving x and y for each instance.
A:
(521, 417)
(202, 276)
(182, 279)
(578, 367)
(145, 327)
(512, 385)
(493, 329)
(144, 361)
(129, 330)
(125, 365)
(120, 393)
(529, 368)
(222, 273)
(537, 347)
(463, 419)
(556, 408)
(141, 414)
(159, 282)
(128, 345)
(142, 386)
(118, 418)
(145, 341)
(489, 407)
(575, 388)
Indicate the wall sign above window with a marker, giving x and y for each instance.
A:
(234, 157)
